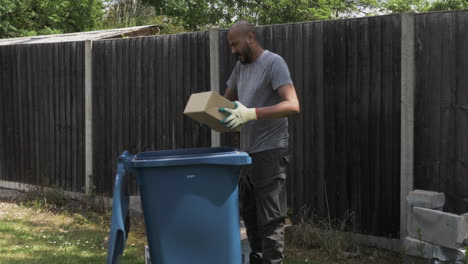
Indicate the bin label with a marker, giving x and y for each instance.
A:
(191, 176)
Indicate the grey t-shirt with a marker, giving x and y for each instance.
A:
(256, 85)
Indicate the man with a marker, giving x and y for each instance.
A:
(264, 93)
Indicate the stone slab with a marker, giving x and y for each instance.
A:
(426, 199)
(436, 227)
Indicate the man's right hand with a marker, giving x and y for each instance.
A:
(238, 116)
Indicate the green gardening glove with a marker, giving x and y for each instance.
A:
(238, 116)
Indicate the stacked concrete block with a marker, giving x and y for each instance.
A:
(418, 248)
(449, 255)
(465, 216)
(423, 249)
(426, 199)
(434, 234)
(437, 227)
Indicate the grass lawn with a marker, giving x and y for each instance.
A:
(31, 235)
(38, 233)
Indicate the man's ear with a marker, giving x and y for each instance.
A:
(250, 37)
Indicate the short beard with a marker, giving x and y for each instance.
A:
(247, 57)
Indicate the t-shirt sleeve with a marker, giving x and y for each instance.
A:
(279, 73)
(232, 82)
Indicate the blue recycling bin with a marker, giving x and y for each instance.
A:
(190, 205)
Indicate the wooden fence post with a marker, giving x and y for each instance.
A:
(407, 115)
(214, 76)
(88, 117)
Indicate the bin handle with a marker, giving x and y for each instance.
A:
(120, 217)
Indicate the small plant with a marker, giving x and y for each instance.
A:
(90, 190)
(55, 199)
(420, 246)
(403, 254)
(465, 259)
(42, 197)
(311, 232)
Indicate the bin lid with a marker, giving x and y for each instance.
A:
(178, 157)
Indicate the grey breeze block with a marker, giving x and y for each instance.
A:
(440, 228)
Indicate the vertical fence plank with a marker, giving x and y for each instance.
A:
(395, 164)
(362, 190)
(352, 78)
(98, 68)
(309, 177)
(80, 125)
(433, 106)
(386, 128)
(42, 98)
(447, 114)
(376, 121)
(319, 118)
(159, 88)
(421, 96)
(3, 85)
(145, 103)
(460, 180)
(23, 136)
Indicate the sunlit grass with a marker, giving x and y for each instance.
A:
(29, 236)
(49, 228)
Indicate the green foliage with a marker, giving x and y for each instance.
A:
(284, 11)
(324, 234)
(399, 6)
(44, 198)
(466, 255)
(441, 5)
(129, 13)
(37, 17)
(198, 14)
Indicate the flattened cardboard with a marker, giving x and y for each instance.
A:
(203, 107)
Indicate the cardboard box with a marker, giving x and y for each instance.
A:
(203, 107)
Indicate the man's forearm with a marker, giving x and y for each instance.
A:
(230, 94)
(282, 109)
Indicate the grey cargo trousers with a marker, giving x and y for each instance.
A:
(263, 204)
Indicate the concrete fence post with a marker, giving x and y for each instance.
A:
(407, 115)
(214, 76)
(88, 117)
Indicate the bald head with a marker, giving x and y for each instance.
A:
(244, 27)
(244, 45)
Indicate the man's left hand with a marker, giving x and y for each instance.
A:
(238, 116)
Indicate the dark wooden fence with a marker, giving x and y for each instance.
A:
(41, 114)
(441, 124)
(345, 144)
(141, 86)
